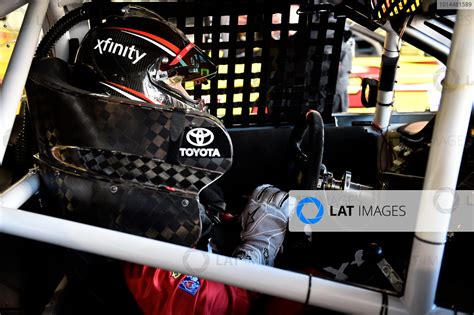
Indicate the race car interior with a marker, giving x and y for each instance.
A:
(269, 107)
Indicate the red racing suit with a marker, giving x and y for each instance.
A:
(263, 221)
(164, 292)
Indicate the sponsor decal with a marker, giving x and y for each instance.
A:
(190, 284)
(199, 142)
(203, 152)
(108, 46)
(200, 137)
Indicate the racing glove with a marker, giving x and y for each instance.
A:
(264, 221)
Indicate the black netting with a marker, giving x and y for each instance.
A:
(273, 63)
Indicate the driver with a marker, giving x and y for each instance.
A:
(142, 57)
(263, 222)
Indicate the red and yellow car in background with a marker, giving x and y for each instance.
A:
(7, 42)
(418, 76)
(9, 27)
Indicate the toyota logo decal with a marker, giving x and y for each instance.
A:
(200, 137)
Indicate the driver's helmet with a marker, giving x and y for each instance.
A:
(142, 57)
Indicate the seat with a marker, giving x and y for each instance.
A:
(122, 164)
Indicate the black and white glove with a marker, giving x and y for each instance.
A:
(264, 221)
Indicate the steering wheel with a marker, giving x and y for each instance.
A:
(304, 167)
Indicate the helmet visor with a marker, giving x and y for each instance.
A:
(193, 64)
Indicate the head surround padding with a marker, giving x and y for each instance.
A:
(121, 164)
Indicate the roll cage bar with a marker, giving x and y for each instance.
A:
(425, 263)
